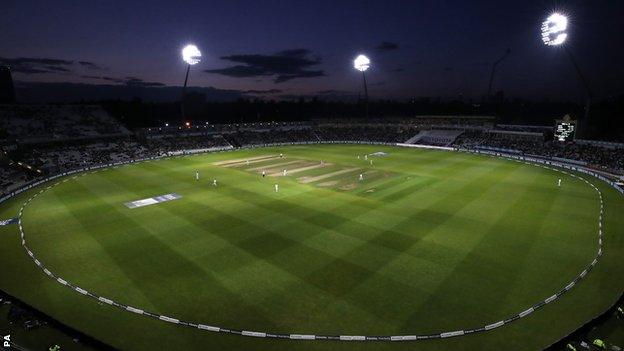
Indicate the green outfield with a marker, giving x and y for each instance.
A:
(425, 242)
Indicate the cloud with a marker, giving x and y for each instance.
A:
(128, 81)
(138, 82)
(56, 68)
(28, 70)
(36, 92)
(386, 46)
(108, 79)
(282, 66)
(90, 65)
(31, 65)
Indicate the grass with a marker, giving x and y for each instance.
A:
(429, 241)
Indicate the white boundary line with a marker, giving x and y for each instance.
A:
(446, 334)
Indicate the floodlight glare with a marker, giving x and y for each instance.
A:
(191, 54)
(361, 63)
(554, 29)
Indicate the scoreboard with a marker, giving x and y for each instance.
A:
(565, 130)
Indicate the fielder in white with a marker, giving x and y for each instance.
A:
(214, 182)
(559, 182)
(284, 172)
(277, 188)
(197, 175)
(361, 176)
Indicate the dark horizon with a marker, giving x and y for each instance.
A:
(277, 50)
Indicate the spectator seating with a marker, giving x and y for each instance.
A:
(90, 137)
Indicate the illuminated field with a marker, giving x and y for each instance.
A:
(425, 242)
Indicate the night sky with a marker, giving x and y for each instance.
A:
(285, 48)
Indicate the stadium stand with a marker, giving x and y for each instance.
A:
(438, 137)
(53, 159)
(10, 177)
(42, 140)
(14, 174)
(604, 156)
(365, 132)
(268, 136)
(44, 123)
(170, 144)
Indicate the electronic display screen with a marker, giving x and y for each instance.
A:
(564, 130)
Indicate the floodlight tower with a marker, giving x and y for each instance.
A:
(554, 33)
(494, 64)
(362, 63)
(192, 56)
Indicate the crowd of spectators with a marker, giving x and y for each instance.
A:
(420, 121)
(12, 173)
(12, 176)
(596, 156)
(370, 132)
(165, 145)
(44, 123)
(30, 160)
(60, 158)
(606, 158)
(270, 136)
(442, 137)
(320, 132)
(64, 157)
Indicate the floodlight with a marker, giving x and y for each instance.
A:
(191, 54)
(554, 29)
(361, 63)
(554, 33)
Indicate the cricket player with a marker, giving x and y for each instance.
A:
(559, 182)
(197, 174)
(281, 155)
(277, 188)
(214, 182)
(361, 177)
(263, 173)
(365, 157)
(284, 172)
